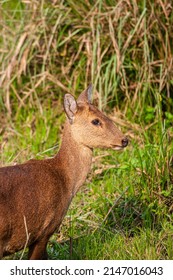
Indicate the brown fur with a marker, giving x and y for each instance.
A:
(35, 196)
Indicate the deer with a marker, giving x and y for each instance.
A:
(35, 195)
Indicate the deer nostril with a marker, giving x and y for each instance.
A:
(125, 142)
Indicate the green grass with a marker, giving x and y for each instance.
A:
(125, 209)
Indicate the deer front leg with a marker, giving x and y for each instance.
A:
(1, 250)
(37, 251)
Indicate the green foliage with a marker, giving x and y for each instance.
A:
(125, 48)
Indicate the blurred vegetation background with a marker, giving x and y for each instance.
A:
(125, 49)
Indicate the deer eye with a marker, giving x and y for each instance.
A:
(96, 122)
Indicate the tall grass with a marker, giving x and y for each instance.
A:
(125, 48)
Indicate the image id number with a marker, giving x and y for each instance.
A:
(128, 270)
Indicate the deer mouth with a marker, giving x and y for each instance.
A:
(117, 148)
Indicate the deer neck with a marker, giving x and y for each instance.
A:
(74, 160)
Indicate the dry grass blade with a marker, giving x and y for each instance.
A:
(114, 204)
(130, 37)
(27, 238)
(115, 44)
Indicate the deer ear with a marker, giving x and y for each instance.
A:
(70, 107)
(85, 96)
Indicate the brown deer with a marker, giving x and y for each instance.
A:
(35, 196)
